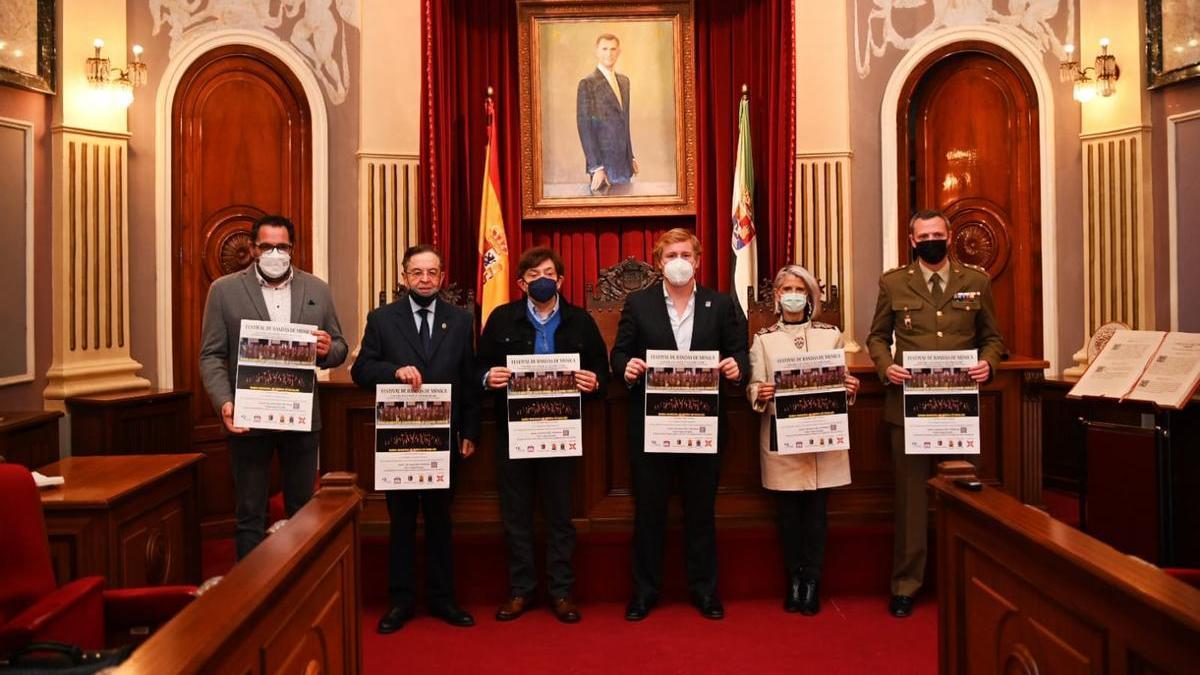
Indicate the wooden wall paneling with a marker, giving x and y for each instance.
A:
(603, 495)
(134, 520)
(29, 438)
(1020, 592)
(293, 606)
(131, 423)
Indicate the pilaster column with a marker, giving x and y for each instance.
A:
(90, 239)
(1118, 205)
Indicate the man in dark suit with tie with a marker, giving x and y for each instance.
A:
(678, 315)
(268, 290)
(602, 115)
(415, 340)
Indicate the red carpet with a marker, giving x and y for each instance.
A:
(852, 634)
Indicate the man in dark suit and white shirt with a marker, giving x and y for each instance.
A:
(602, 115)
(678, 315)
(416, 340)
(268, 290)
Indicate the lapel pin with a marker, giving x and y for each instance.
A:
(443, 326)
(708, 303)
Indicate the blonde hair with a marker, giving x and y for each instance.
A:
(676, 235)
(814, 289)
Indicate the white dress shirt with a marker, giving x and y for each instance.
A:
(417, 317)
(681, 324)
(278, 298)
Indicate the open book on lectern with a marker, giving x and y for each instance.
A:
(1144, 365)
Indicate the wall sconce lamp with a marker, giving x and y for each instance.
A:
(1104, 76)
(121, 83)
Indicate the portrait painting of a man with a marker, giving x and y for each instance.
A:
(604, 117)
(602, 114)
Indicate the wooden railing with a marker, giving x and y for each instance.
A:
(291, 606)
(1020, 592)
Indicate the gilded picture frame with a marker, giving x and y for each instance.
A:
(607, 108)
(27, 55)
(1172, 42)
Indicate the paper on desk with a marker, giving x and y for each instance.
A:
(46, 481)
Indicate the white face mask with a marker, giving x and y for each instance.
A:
(793, 302)
(678, 271)
(274, 263)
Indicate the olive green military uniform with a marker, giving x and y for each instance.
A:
(965, 318)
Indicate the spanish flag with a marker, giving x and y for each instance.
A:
(493, 245)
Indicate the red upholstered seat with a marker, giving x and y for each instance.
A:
(32, 606)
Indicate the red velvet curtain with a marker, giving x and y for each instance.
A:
(472, 44)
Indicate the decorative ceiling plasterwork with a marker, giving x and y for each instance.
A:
(316, 28)
(1028, 18)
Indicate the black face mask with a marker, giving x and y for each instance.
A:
(422, 300)
(932, 251)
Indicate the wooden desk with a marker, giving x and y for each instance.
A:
(130, 519)
(29, 437)
(1011, 453)
(137, 422)
(290, 607)
(1020, 592)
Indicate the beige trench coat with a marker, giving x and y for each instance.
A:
(808, 471)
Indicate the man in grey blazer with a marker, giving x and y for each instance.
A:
(268, 290)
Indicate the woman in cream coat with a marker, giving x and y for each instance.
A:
(801, 482)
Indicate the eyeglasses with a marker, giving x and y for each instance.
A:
(421, 274)
(267, 248)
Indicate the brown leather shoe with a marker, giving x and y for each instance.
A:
(565, 609)
(513, 607)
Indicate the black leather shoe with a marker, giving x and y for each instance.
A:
(901, 606)
(453, 615)
(710, 607)
(394, 619)
(810, 600)
(795, 595)
(638, 608)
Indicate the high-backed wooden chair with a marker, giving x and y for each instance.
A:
(452, 294)
(762, 309)
(605, 298)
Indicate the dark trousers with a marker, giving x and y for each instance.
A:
(801, 515)
(434, 506)
(652, 475)
(553, 479)
(250, 461)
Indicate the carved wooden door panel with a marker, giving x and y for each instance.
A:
(970, 149)
(241, 148)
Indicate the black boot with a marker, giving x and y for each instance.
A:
(793, 600)
(810, 601)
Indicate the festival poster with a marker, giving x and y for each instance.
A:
(682, 398)
(810, 402)
(544, 407)
(412, 437)
(276, 376)
(941, 403)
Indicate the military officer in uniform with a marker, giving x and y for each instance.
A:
(929, 304)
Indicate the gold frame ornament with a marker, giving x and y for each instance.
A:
(532, 16)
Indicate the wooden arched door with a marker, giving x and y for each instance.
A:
(970, 149)
(241, 147)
